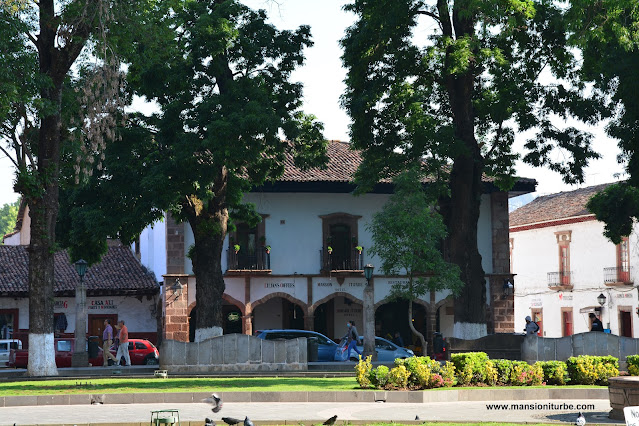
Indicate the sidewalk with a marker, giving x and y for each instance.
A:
(306, 412)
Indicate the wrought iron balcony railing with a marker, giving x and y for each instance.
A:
(559, 279)
(240, 261)
(618, 275)
(353, 260)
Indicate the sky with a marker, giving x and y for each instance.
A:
(323, 77)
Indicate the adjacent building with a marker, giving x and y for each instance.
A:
(302, 266)
(566, 269)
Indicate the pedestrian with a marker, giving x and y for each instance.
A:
(107, 341)
(595, 323)
(123, 350)
(352, 337)
(398, 340)
(531, 327)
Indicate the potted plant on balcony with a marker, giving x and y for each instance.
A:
(268, 249)
(359, 249)
(329, 249)
(236, 247)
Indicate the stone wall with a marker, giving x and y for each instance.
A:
(496, 346)
(233, 352)
(536, 348)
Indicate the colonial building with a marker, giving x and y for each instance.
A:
(564, 265)
(118, 287)
(302, 266)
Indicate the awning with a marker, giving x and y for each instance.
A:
(590, 309)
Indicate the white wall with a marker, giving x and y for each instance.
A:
(536, 252)
(153, 248)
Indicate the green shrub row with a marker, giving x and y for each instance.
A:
(633, 365)
(475, 368)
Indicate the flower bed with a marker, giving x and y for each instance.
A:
(475, 368)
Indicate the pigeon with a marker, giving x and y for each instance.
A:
(248, 422)
(209, 422)
(331, 421)
(581, 420)
(215, 401)
(231, 421)
(97, 399)
(417, 417)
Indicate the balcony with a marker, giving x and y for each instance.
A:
(260, 261)
(352, 260)
(618, 276)
(561, 280)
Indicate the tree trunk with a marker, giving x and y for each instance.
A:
(462, 209)
(209, 227)
(414, 330)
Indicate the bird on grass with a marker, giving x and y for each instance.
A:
(417, 417)
(209, 422)
(97, 399)
(215, 401)
(248, 422)
(581, 420)
(231, 421)
(331, 421)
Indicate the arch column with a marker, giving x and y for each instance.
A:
(247, 324)
(175, 301)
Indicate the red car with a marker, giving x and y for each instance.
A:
(141, 352)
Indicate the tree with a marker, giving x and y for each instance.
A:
(8, 216)
(407, 235)
(221, 77)
(451, 97)
(40, 44)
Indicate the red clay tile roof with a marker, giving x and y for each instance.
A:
(556, 206)
(342, 165)
(118, 272)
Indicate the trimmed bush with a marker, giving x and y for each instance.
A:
(592, 370)
(524, 374)
(633, 364)
(504, 369)
(398, 378)
(363, 372)
(555, 372)
(379, 376)
(473, 368)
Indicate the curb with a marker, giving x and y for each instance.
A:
(449, 395)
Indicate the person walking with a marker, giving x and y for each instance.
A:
(352, 337)
(596, 324)
(531, 327)
(123, 350)
(107, 341)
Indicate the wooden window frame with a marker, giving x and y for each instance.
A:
(567, 309)
(564, 239)
(623, 275)
(629, 309)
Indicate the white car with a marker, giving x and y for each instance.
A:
(386, 350)
(5, 348)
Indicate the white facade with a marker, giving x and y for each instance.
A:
(152, 249)
(535, 254)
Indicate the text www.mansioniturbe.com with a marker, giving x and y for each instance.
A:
(537, 406)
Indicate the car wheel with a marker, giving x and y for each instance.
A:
(151, 361)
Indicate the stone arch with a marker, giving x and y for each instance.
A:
(421, 302)
(234, 301)
(314, 306)
(252, 305)
(298, 310)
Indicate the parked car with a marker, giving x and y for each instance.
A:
(19, 358)
(386, 350)
(141, 352)
(325, 346)
(5, 349)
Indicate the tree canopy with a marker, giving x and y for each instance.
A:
(8, 216)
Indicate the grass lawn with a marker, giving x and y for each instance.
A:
(137, 385)
(240, 384)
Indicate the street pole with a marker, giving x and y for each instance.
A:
(80, 357)
(369, 314)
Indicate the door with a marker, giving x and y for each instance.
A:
(625, 324)
(566, 317)
(340, 237)
(538, 318)
(96, 324)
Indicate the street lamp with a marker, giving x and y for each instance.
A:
(601, 299)
(368, 272)
(80, 357)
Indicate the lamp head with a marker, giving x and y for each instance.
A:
(81, 267)
(601, 299)
(368, 271)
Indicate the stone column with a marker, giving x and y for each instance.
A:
(247, 324)
(502, 306)
(176, 324)
(174, 246)
(369, 320)
(80, 357)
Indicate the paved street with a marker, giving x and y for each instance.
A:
(296, 412)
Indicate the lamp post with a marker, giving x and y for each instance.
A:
(369, 314)
(80, 357)
(602, 301)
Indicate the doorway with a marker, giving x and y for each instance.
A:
(625, 323)
(96, 324)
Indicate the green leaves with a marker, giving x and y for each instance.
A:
(618, 207)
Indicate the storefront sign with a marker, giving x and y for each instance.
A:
(279, 285)
(536, 303)
(102, 304)
(325, 284)
(356, 284)
(397, 282)
(623, 295)
(60, 304)
(564, 297)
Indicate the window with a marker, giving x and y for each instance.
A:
(64, 345)
(563, 240)
(340, 233)
(4, 347)
(623, 261)
(567, 324)
(537, 317)
(140, 345)
(252, 254)
(511, 244)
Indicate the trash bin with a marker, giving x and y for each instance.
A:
(94, 345)
(438, 343)
(312, 347)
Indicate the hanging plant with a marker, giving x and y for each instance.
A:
(359, 249)
(330, 249)
(268, 249)
(236, 247)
